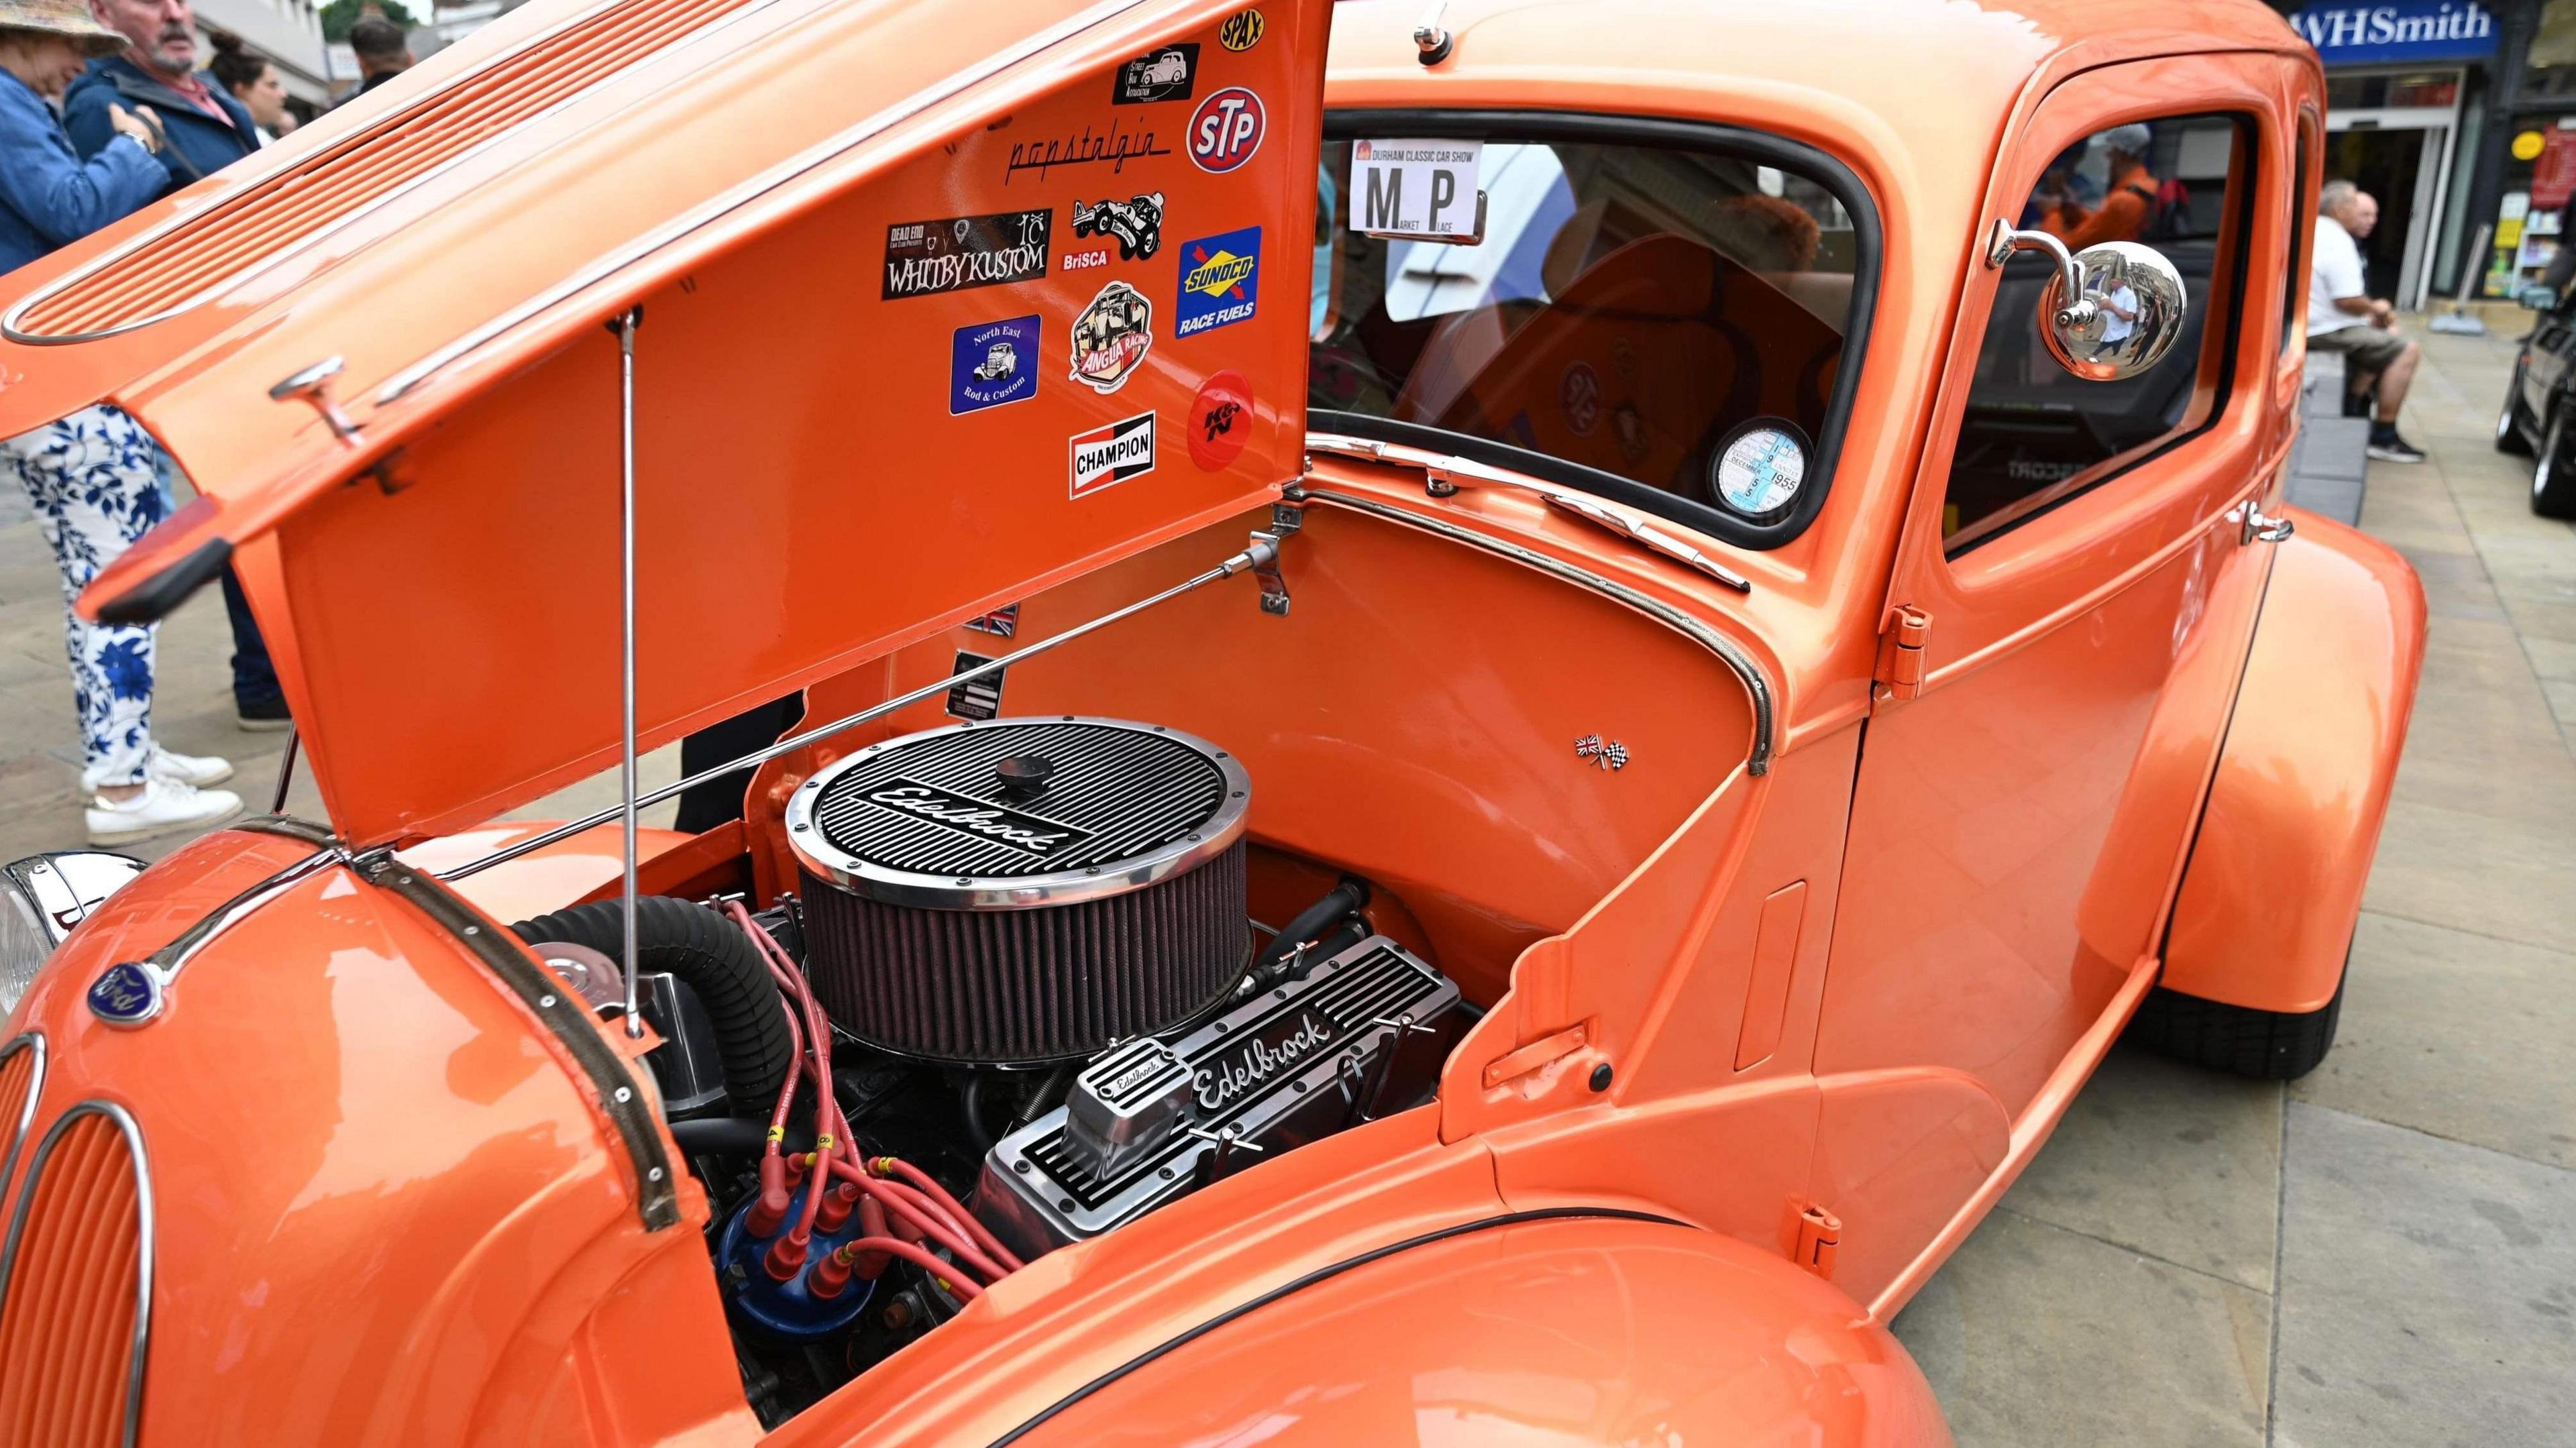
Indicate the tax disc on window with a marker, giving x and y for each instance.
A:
(1758, 469)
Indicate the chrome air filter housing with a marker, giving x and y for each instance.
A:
(1021, 891)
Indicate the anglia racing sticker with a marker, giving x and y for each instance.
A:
(1107, 456)
(992, 363)
(1111, 337)
(1226, 129)
(925, 258)
(1220, 281)
(1220, 420)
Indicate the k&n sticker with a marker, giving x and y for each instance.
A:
(1107, 456)
(925, 258)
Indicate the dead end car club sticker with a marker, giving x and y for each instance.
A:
(1220, 281)
(1225, 130)
(992, 363)
(925, 258)
(1220, 420)
(1111, 337)
(1160, 75)
(1136, 222)
(1107, 456)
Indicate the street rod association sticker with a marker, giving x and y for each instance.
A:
(1111, 337)
(925, 258)
(1220, 281)
(1107, 456)
(1160, 75)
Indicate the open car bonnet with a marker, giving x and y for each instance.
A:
(942, 303)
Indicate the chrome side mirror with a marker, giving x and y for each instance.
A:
(2113, 310)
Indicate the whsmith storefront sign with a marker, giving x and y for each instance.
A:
(2400, 32)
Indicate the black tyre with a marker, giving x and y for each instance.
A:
(2267, 1045)
(2509, 437)
(2553, 478)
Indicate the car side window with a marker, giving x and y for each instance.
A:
(2034, 435)
(2294, 299)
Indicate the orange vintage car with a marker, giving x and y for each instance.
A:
(1485, 713)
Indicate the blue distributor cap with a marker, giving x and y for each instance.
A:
(785, 1310)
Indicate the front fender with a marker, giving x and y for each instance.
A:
(2265, 914)
(1567, 1330)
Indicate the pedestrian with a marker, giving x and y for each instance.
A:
(91, 477)
(253, 81)
(207, 130)
(383, 51)
(2343, 318)
(2128, 202)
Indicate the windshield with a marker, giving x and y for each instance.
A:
(1658, 323)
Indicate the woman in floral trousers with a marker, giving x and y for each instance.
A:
(92, 480)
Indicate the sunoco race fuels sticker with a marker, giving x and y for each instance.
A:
(1107, 456)
(925, 258)
(992, 363)
(1220, 281)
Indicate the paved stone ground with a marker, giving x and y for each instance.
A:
(2381, 1253)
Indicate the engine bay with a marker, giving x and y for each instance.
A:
(1021, 957)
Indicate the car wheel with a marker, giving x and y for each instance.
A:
(2266, 1045)
(2509, 438)
(2553, 481)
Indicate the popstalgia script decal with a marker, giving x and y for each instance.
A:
(1113, 146)
(925, 258)
(968, 815)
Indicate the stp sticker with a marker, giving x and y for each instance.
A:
(1226, 129)
(1107, 456)
(992, 363)
(1220, 420)
(1137, 222)
(1111, 337)
(924, 258)
(1241, 30)
(1162, 75)
(1220, 281)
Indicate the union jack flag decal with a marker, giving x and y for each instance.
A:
(1611, 755)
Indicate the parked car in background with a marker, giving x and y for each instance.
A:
(1495, 808)
(2536, 421)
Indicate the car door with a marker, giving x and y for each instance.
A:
(2075, 559)
(2545, 374)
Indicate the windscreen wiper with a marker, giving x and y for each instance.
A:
(1443, 472)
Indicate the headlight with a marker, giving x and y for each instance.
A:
(41, 898)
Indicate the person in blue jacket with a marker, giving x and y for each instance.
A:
(91, 477)
(206, 130)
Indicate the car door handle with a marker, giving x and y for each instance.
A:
(2261, 527)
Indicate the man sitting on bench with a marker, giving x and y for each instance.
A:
(2342, 318)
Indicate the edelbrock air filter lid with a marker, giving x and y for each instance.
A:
(1011, 814)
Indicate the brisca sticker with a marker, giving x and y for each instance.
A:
(1111, 337)
(1220, 281)
(1107, 456)
(1220, 420)
(1136, 222)
(991, 363)
(925, 258)
(1001, 623)
(1241, 30)
(1226, 129)
(1162, 75)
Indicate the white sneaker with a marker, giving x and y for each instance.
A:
(198, 770)
(163, 805)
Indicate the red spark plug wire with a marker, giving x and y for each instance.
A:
(944, 1273)
(897, 1166)
(903, 1203)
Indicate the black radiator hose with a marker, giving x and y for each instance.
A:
(710, 955)
(1312, 923)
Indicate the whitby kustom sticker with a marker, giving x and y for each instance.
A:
(1136, 222)
(1161, 75)
(993, 363)
(1220, 420)
(1226, 129)
(1111, 337)
(925, 258)
(1107, 456)
(1220, 281)
(1241, 30)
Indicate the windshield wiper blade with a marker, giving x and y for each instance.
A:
(1442, 472)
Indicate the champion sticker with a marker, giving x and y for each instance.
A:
(992, 363)
(925, 258)
(1111, 337)
(1137, 223)
(976, 698)
(1241, 30)
(1220, 420)
(1162, 75)
(1220, 281)
(1107, 456)
(1226, 129)
(1001, 623)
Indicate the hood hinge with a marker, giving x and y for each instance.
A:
(1900, 655)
